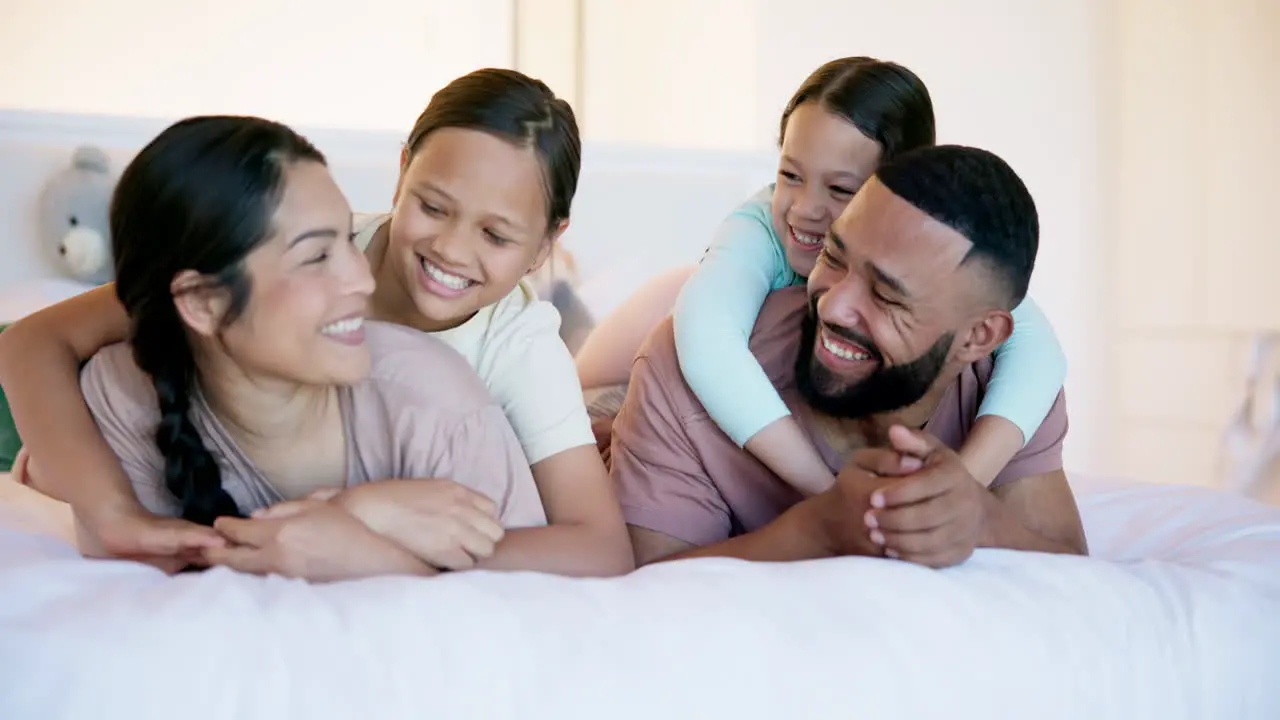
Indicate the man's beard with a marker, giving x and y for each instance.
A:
(888, 388)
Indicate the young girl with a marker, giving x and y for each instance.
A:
(847, 117)
(247, 367)
(487, 178)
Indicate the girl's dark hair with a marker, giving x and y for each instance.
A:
(885, 101)
(521, 110)
(200, 196)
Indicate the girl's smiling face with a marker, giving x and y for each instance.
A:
(470, 221)
(825, 159)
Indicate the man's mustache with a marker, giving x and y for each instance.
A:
(849, 334)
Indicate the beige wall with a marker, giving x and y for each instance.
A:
(1017, 77)
(1196, 174)
(370, 64)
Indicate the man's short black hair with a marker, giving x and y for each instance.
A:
(978, 195)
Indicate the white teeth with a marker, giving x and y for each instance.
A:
(447, 279)
(841, 351)
(342, 327)
(806, 238)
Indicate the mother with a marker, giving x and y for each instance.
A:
(487, 178)
(250, 375)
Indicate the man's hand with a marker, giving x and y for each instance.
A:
(842, 510)
(935, 516)
(312, 539)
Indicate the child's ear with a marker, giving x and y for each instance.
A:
(404, 162)
(558, 231)
(200, 304)
(984, 335)
(548, 245)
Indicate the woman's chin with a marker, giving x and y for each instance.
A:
(347, 366)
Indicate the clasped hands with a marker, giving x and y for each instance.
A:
(914, 501)
(388, 527)
(400, 526)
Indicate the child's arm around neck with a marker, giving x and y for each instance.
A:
(40, 359)
(713, 320)
(1027, 375)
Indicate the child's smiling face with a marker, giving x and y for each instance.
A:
(824, 160)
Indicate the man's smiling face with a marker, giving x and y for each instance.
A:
(889, 296)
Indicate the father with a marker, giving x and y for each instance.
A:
(883, 360)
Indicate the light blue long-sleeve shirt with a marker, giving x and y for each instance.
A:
(717, 309)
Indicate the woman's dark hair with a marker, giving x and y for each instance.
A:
(520, 110)
(885, 101)
(200, 196)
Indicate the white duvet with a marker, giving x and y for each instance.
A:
(1177, 615)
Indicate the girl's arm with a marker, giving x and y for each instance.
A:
(40, 357)
(534, 379)
(1029, 370)
(585, 534)
(713, 319)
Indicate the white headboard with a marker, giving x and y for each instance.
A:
(638, 211)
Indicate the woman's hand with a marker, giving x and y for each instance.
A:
(444, 524)
(311, 539)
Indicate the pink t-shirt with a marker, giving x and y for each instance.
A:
(678, 474)
(422, 412)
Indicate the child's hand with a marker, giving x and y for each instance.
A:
(786, 450)
(129, 531)
(136, 534)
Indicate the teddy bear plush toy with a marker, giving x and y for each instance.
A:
(74, 226)
(74, 236)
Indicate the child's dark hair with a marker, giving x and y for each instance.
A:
(200, 196)
(885, 101)
(521, 110)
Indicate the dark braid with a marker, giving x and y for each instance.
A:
(190, 471)
(196, 201)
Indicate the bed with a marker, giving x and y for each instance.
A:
(1177, 615)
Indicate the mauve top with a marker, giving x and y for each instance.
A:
(422, 412)
(679, 474)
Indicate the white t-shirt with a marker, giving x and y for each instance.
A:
(515, 347)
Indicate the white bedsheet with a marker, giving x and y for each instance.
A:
(1177, 615)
